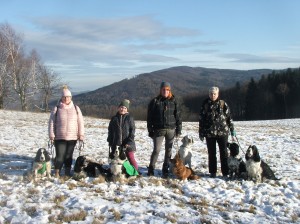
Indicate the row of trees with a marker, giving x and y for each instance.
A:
(275, 96)
(25, 82)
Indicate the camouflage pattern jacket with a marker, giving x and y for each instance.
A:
(215, 119)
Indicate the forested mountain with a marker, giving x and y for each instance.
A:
(140, 89)
(273, 96)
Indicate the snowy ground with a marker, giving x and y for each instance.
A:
(148, 200)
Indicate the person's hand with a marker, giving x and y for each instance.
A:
(81, 138)
(51, 140)
(201, 138)
(151, 134)
(233, 133)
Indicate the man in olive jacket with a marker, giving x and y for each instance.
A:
(163, 122)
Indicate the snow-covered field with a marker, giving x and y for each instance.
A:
(148, 200)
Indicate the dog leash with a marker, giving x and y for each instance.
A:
(51, 149)
(80, 146)
(239, 144)
(176, 144)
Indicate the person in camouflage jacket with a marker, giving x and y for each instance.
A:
(215, 124)
(121, 132)
(163, 123)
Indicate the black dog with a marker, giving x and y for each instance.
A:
(236, 165)
(85, 167)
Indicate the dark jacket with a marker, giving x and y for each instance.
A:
(163, 113)
(121, 131)
(215, 119)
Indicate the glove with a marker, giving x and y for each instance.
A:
(201, 138)
(151, 134)
(233, 133)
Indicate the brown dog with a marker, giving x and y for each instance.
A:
(181, 171)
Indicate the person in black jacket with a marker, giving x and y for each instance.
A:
(121, 131)
(215, 124)
(163, 122)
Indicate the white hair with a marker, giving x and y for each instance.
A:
(214, 89)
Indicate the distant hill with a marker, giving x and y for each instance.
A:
(184, 80)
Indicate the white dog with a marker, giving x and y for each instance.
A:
(185, 152)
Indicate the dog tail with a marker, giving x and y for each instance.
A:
(194, 177)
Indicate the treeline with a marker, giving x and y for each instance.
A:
(275, 96)
(25, 82)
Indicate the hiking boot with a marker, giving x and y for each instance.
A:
(150, 171)
(212, 175)
(165, 175)
(68, 172)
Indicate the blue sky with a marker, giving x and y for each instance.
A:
(95, 43)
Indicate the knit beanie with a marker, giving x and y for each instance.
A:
(66, 91)
(165, 84)
(125, 103)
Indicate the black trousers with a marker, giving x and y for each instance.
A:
(64, 153)
(212, 153)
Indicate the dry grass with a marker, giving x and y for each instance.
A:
(59, 199)
(117, 215)
(32, 191)
(68, 217)
(172, 218)
(3, 203)
(99, 180)
(76, 216)
(31, 211)
(118, 200)
(295, 217)
(3, 176)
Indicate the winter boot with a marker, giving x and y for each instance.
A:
(150, 171)
(68, 171)
(165, 171)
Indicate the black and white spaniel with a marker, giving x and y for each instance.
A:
(85, 167)
(117, 169)
(257, 169)
(41, 166)
(236, 165)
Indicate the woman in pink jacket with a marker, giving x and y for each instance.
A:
(65, 128)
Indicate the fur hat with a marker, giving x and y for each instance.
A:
(165, 84)
(66, 91)
(125, 103)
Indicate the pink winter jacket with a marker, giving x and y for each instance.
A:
(66, 124)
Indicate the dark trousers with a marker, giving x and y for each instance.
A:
(160, 135)
(212, 153)
(64, 153)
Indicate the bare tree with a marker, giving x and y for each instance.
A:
(49, 84)
(21, 69)
(4, 54)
